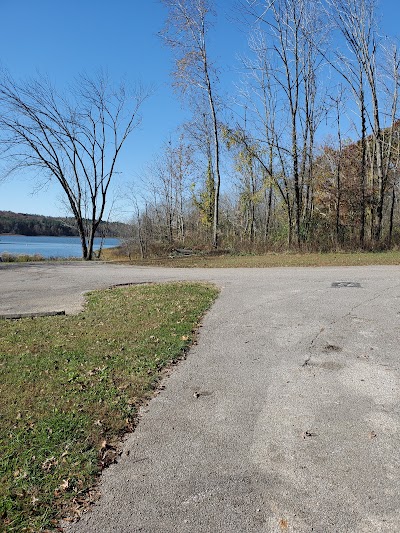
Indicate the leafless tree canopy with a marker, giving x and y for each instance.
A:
(311, 130)
(75, 138)
(186, 32)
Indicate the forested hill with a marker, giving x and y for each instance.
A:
(33, 225)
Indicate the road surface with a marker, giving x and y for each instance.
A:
(284, 417)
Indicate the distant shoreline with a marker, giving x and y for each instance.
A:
(25, 225)
(48, 236)
(54, 236)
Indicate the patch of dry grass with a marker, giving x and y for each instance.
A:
(266, 261)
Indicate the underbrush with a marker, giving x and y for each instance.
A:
(230, 259)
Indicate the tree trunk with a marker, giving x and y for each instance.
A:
(363, 170)
(391, 217)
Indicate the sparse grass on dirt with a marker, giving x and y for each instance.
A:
(5, 257)
(264, 261)
(71, 386)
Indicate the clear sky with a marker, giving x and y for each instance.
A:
(62, 39)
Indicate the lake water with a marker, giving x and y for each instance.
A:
(48, 246)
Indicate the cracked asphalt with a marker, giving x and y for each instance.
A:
(284, 417)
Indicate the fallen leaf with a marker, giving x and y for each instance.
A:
(65, 484)
(109, 457)
(49, 463)
(283, 523)
(308, 434)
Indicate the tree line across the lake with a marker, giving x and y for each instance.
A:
(38, 225)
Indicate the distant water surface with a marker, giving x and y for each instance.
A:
(62, 247)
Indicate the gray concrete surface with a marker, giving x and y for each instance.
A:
(284, 417)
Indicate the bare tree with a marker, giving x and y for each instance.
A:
(76, 139)
(166, 183)
(186, 33)
(258, 96)
(338, 102)
(287, 36)
(356, 21)
(390, 136)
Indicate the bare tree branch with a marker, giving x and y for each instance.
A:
(76, 140)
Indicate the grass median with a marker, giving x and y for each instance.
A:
(70, 387)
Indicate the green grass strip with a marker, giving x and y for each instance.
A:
(71, 386)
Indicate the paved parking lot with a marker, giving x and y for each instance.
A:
(284, 417)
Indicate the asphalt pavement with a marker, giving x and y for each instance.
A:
(284, 417)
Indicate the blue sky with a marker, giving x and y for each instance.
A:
(62, 39)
